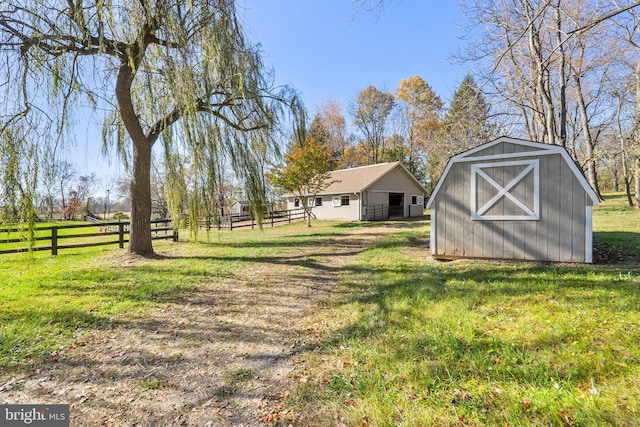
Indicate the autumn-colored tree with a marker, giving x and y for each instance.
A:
(305, 173)
(371, 116)
(419, 111)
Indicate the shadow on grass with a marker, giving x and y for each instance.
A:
(467, 320)
(611, 247)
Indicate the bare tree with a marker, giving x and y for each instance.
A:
(548, 75)
(65, 172)
(370, 116)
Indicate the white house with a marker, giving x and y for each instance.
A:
(381, 191)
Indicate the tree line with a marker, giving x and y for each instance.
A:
(182, 79)
(409, 125)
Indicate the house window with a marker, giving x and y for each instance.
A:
(318, 201)
(344, 200)
(296, 203)
(414, 200)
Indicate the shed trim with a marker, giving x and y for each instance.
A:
(478, 214)
(432, 237)
(588, 235)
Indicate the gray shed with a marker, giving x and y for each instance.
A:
(512, 199)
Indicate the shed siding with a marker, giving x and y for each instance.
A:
(558, 234)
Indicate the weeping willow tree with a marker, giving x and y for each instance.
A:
(171, 72)
(18, 182)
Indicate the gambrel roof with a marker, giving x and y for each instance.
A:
(525, 149)
(359, 179)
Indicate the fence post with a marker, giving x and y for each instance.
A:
(176, 238)
(271, 219)
(252, 222)
(54, 240)
(121, 235)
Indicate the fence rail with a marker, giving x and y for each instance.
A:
(159, 230)
(232, 222)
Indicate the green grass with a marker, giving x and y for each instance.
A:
(617, 226)
(410, 342)
(479, 343)
(47, 302)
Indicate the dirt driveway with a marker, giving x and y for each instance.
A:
(220, 356)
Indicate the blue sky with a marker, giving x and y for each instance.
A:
(323, 51)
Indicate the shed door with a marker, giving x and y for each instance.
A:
(396, 205)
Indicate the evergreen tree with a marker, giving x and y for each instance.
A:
(465, 125)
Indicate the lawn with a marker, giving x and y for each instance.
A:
(396, 339)
(417, 342)
(47, 302)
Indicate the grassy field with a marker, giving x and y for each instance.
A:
(407, 341)
(479, 343)
(47, 302)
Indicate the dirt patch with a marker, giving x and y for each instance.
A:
(219, 356)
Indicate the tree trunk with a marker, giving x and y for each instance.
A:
(64, 203)
(140, 231)
(563, 78)
(542, 76)
(625, 171)
(592, 175)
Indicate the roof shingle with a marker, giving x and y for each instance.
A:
(356, 179)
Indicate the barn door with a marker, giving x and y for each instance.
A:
(396, 205)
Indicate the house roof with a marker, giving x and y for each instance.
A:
(533, 149)
(356, 180)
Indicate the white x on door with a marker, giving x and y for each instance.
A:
(481, 179)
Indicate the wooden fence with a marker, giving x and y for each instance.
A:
(232, 222)
(160, 229)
